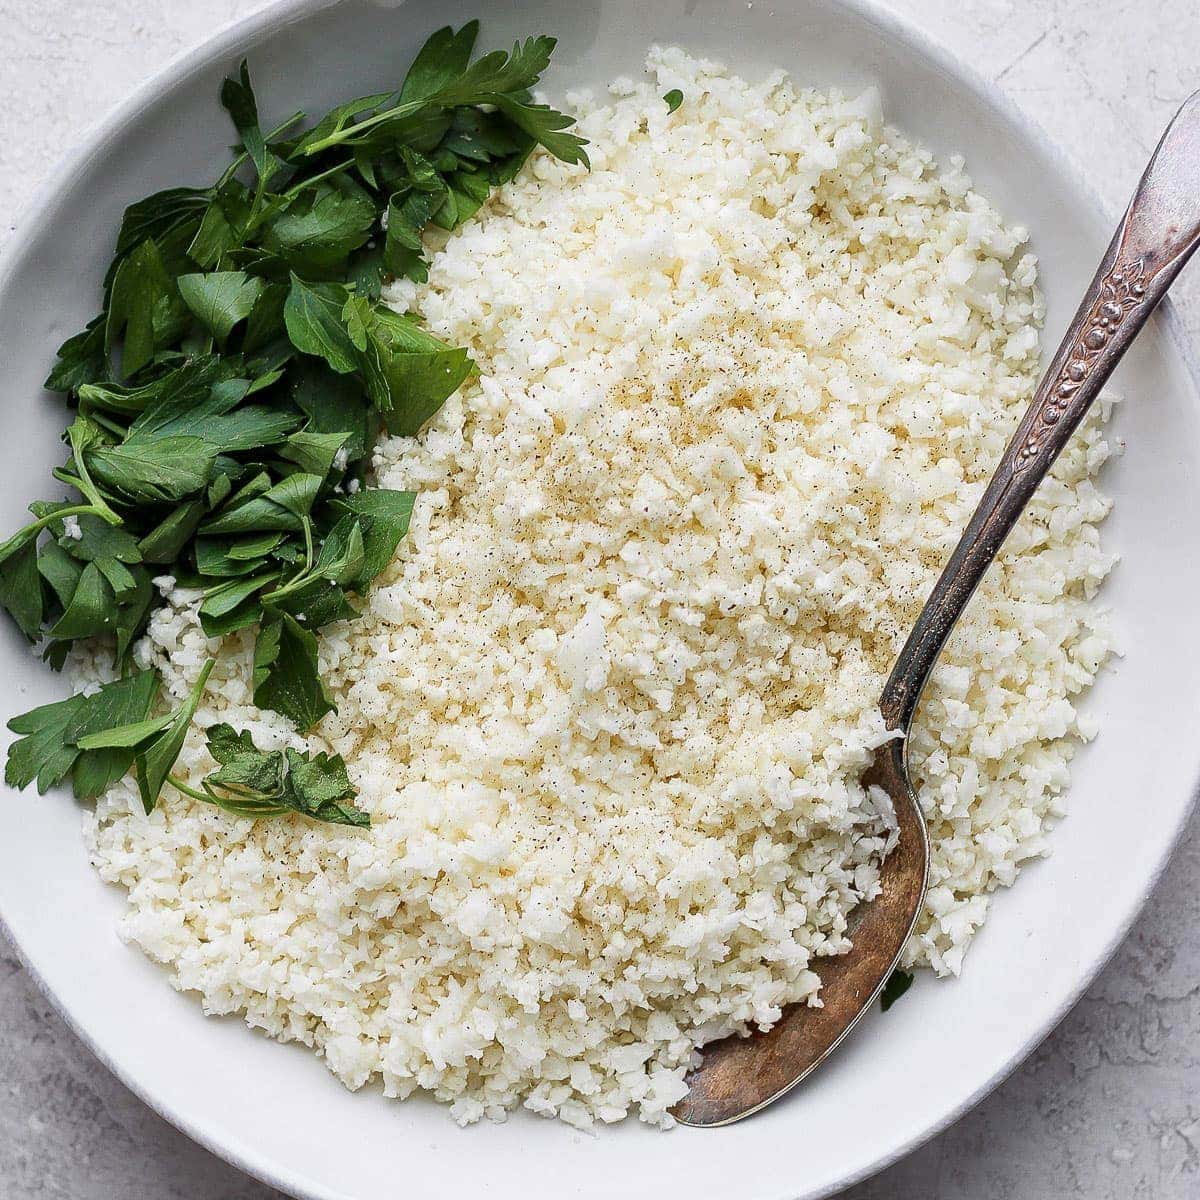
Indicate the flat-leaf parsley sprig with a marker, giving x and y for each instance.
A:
(226, 400)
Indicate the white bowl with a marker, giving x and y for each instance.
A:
(274, 1110)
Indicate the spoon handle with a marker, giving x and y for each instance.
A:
(1158, 234)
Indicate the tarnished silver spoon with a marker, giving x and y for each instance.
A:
(1160, 230)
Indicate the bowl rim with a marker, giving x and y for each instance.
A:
(896, 27)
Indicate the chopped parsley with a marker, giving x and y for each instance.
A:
(225, 402)
(898, 983)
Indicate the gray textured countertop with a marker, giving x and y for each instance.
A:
(1109, 1107)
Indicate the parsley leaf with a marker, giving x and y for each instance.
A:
(97, 539)
(144, 304)
(314, 453)
(321, 227)
(81, 359)
(316, 595)
(126, 700)
(185, 385)
(91, 611)
(281, 507)
(161, 218)
(61, 573)
(285, 672)
(42, 753)
(225, 225)
(313, 316)
(383, 515)
(237, 97)
(154, 470)
(255, 783)
(216, 418)
(85, 435)
(674, 99)
(220, 299)
(334, 404)
(409, 373)
(244, 768)
(443, 58)
(234, 604)
(898, 983)
(165, 542)
(319, 788)
(155, 755)
(21, 588)
(442, 79)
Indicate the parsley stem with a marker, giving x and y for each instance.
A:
(308, 545)
(296, 189)
(112, 426)
(72, 510)
(302, 575)
(231, 170)
(349, 131)
(87, 489)
(187, 789)
(35, 527)
(79, 435)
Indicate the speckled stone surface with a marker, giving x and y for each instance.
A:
(1109, 1107)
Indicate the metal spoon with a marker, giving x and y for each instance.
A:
(1161, 228)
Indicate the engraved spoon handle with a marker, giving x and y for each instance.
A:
(1158, 234)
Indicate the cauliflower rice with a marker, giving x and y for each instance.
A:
(739, 389)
